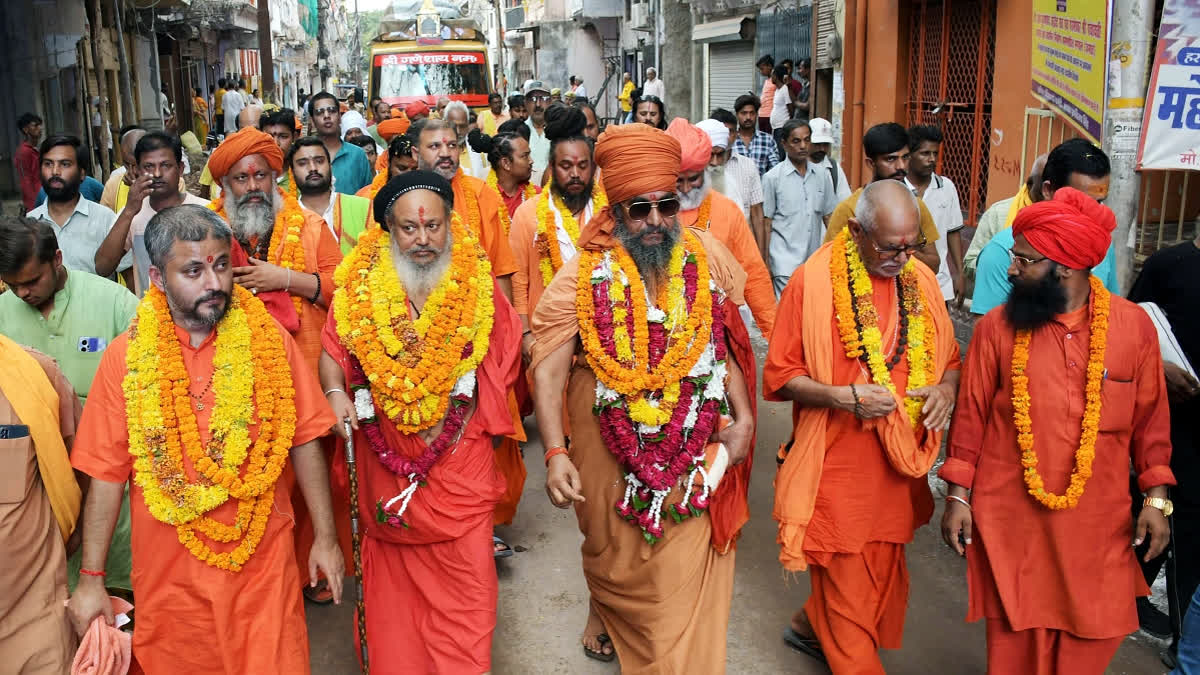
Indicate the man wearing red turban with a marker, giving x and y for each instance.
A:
(705, 209)
(416, 110)
(1062, 391)
(643, 610)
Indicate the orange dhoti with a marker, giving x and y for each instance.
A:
(1045, 651)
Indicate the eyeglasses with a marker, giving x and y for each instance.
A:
(893, 252)
(540, 98)
(327, 110)
(1022, 261)
(640, 210)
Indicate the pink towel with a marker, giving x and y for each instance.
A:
(105, 650)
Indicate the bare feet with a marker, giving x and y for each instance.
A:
(801, 625)
(595, 640)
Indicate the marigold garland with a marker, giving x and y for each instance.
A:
(858, 321)
(286, 248)
(251, 378)
(527, 192)
(1086, 452)
(412, 365)
(704, 217)
(546, 240)
(470, 202)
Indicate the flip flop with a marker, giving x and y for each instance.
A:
(807, 645)
(321, 595)
(497, 551)
(603, 639)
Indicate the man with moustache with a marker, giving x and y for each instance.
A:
(427, 559)
(537, 99)
(731, 174)
(511, 164)
(491, 119)
(750, 141)
(436, 149)
(797, 200)
(820, 147)
(350, 169)
(459, 117)
(344, 215)
(81, 225)
(158, 166)
(865, 351)
(887, 154)
(666, 519)
(1063, 390)
(216, 589)
(516, 107)
(706, 210)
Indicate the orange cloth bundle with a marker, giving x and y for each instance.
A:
(105, 649)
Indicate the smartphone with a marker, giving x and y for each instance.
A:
(92, 345)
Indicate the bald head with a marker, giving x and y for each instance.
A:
(128, 143)
(886, 227)
(1034, 182)
(249, 116)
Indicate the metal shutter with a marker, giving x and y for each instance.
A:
(730, 72)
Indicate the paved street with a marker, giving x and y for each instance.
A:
(543, 598)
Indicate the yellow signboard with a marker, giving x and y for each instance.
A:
(1070, 53)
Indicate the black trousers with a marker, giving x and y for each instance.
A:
(1182, 556)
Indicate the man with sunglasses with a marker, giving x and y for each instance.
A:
(865, 350)
(1062, 392)
(706, 210)
(537, 99)
(887, 154)
(643, 610)
(352, 170)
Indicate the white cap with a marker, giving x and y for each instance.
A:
(822, 130)
(717, 132)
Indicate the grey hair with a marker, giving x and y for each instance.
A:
(189, 222)
(456, 105)
(869, 202)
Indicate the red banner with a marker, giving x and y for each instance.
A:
(429, 59)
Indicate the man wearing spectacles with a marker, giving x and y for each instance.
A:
(352, 170)
(537, 99)
(871, 404)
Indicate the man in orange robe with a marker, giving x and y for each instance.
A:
(247, 165)
(706, 210)
(663, 606)
(193, 617)
(430, 585)
(852, 487)
(1052, 569)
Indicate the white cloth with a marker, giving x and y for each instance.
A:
(742, 183)
(566, 248)
(655, 87)
(353, 119)
(942, 199)
(80, 237)
(717, 132)
(232, 103)
(779, 110)
(580, 92)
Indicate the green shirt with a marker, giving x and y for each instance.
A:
(88, 313)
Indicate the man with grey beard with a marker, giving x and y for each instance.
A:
(434, 581)
(731, 174)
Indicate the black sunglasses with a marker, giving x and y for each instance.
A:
(640, 209)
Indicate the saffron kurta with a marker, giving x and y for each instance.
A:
(192, 617)
(431, 589)
(1072, 570)
(844, 506)
(491, 233)
(665, 606)
(728, 226)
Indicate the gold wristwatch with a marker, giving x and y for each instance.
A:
(1161, 503)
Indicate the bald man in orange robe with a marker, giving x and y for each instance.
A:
(705, 209)
(1058, 585)
(852, 487)
(430, 587)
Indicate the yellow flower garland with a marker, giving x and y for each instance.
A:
(413, 365)
(251, 378)
(852, 288)
(546, 242)
(470, 202)
(1086, 452)
(528, 192)
(285, 244)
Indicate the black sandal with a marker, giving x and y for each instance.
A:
(807, 645)
(500, 549)
(603, 639)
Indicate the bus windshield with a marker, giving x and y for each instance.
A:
(429, 74)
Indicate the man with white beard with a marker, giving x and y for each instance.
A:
(428, 482)
(707, 210)
(734, 175)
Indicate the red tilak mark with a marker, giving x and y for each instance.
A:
(209, 259)
(253, 167)
(421, 214)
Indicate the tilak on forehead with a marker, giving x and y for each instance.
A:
(421, 215)
(249, 142)
(208, 259)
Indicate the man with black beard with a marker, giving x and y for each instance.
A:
(81, 225)
(345, 215)
(1063, 389)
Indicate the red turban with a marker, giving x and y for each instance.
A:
(416, 109)
(390, 128)
(1072, 229)
(636, 159)
(696, 145)
(247, 141)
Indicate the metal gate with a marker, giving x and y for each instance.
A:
(783, 34)
(952, 52)
(730, 72)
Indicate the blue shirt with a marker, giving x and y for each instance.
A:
(351, 169)
(762, 150)
(90, 188)
(991, 273)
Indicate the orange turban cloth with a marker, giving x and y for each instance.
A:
(695, 144)
(390, 128)
(636, 159)
(416, 109)
(247, 141)
(1072, 229)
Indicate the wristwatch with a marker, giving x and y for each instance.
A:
(1160, 503)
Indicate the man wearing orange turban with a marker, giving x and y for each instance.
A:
(707, 210)
(1062, 392)
(392, 127)
(673, 516)
(290, 249)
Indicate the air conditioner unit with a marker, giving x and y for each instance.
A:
(639, 15)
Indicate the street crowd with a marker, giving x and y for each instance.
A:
(219, 404)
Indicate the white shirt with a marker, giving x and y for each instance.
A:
(742, 183)
(779, 110)
(232, 103)
(942, 199)
(580, 92)
(842, 189)
(81, 236)
(655, 87)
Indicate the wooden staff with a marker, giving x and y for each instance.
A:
(360, 608)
